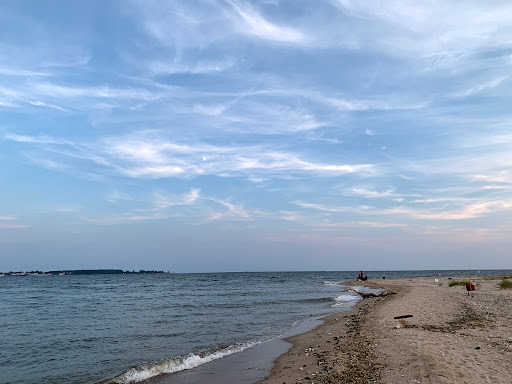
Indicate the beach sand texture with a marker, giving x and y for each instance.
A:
(452, 337)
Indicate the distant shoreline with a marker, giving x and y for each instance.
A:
(83, 272)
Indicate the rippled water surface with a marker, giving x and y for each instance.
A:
(85, 329)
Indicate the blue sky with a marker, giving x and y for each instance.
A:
(265, 135)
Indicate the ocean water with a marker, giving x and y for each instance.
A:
(129, 328)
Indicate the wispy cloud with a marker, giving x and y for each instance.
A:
(170, 67)
(363, 192)
(12, 222)
(190, 206)
(333, 209)
(467, 211)
(361, 224)
(494, 83)
(72, 98)
(440, 35)
(129, 218)
(7, 71)
(148, 155)
(14, 226)
(116, 196)
(210, 110)
(255, 24)
(164, 201)
(232, 211)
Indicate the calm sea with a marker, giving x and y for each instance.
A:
(127, 328)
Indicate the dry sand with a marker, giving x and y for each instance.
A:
(452, 337)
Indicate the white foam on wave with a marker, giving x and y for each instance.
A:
(363, 289)
(175, 364)
(331, 283)
(343, 299)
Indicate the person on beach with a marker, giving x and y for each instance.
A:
(469, 286)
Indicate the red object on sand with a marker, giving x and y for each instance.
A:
(470, 287)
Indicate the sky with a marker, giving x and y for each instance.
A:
(235, 135)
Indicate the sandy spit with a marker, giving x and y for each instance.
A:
(452, 337)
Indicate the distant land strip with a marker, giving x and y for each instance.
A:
(80, 272)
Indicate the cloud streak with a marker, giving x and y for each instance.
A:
(148, 155)
(255, 24)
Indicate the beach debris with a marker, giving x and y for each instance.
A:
(371, 294)
(400, 325)
(402, 317)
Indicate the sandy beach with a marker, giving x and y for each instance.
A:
(452, 337)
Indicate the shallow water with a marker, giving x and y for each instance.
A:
(85, 329)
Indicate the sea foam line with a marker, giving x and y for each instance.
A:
(343, 299)
(174, 364)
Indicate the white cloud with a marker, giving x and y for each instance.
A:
(440, 34)
(100, 92)
(125, 219)
(209, 110)
(333, 209)
(10, 222)
(149, 155)
(494, 83)
(14, 226)
(467, 211)
(349, 105)
(164, 201)
(6, 71)
(457, 200)
(361, 224)
(195, 68)
(371, 194)
(36, 139)
(76, 97)
(42, 104)
(470, 211)
(156, 172)
(117, 196)
(232, 212)
(256, 25)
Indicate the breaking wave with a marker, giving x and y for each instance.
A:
(174, 364)
(316, 300)
(339, 300)
(331, 283)
(343, 299)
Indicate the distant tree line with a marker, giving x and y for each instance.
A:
(82, 272)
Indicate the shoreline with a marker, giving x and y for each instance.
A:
(316, 356)
(451, 337)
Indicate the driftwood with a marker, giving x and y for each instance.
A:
(367, 295)
(402, 317)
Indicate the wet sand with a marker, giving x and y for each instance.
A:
(248, 366)
(452, 337)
